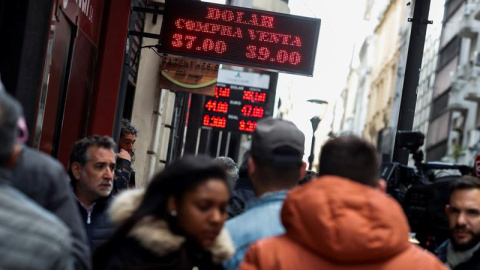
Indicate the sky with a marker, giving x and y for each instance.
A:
(342, 29)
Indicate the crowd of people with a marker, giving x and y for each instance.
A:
(203, 213)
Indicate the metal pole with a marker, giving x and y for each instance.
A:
(412, 73)
(227, 144)
(311, 157)
(219, 143)
(197, 142)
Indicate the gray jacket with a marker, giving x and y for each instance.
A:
(44, 180)
(31, 238)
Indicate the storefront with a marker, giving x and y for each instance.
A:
(81, 75)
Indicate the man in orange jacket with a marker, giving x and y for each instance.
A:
(343, 220)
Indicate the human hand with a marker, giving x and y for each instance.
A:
(124, 155)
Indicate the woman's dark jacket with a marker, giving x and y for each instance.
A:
(151, 245)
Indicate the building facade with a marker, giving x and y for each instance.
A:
(453, 130)
(387, 37)
(63, 61)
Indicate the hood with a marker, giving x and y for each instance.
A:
(344, 221)
(155, 235)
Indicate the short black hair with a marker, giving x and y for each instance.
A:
(274, 174)
(127, 128)
(464, 183)
(350, 157)
(80, 150)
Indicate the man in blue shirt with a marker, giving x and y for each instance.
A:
(275, 166)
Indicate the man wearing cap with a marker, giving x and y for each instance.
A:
(275, 166)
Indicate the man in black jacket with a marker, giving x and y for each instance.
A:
(124, 172)
(91, 169)
(42, 179)
(462, 250)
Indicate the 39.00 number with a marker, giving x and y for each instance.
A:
(282, 56)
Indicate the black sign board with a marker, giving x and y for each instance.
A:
(240, 36)
(235, 108)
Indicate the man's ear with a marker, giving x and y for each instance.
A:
(447, 209)
(303, 170)
(382, 185)
(76, 169)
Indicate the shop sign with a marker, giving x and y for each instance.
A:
(190, 75)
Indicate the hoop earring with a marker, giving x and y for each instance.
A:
(173, 213)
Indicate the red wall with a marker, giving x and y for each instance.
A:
(85, 74)
(114, 36)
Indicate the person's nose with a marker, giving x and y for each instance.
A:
(109, 173)
(461, 219)
(216, 216)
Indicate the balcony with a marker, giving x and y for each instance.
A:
(456, 100)
(473, 95)
(472, 92)
(469, 25)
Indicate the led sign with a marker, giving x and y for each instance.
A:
(240, 36)
(236, 110)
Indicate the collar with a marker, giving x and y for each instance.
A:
(88, 209)
(105, 201)
(269, 197)
(455, 258)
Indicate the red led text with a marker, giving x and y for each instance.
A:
(281, 56)
(275, 38)
(248, 126)
(214, 121)
(238, 17)
(209, 28)
(222, 92)
(207, 45)
(217, 106)
(254, 97)
(250, 111)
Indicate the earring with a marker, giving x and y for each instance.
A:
(173, 213)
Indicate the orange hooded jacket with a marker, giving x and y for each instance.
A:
(335, 223)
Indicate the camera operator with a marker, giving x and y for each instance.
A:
(462, 250)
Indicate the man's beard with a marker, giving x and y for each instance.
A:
(470, 244)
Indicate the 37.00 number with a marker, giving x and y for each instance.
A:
(187, 41)
(282, 56)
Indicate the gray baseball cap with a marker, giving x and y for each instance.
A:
(277, 141)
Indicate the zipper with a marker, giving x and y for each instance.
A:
(89, 217)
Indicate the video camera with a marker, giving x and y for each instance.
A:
(421, 193)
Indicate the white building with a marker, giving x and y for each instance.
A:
(454, 127)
